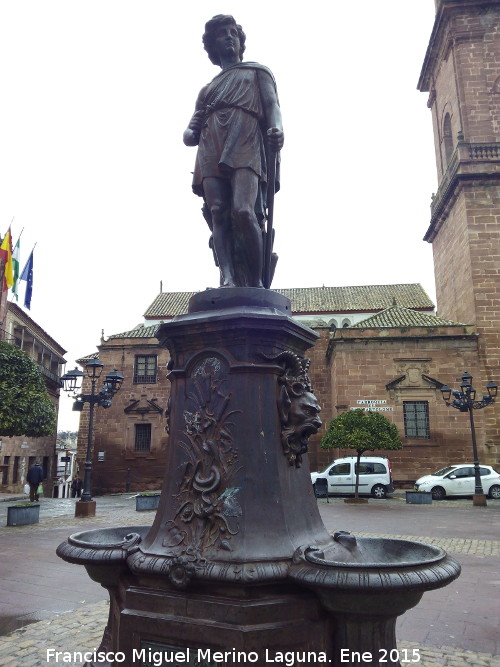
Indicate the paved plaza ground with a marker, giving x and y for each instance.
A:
(47, 603)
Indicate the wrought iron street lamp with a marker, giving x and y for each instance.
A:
(71, 382)
(465, 401)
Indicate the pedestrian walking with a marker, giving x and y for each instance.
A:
(76, 487)
(34, 479)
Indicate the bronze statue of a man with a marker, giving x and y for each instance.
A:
(236, 126)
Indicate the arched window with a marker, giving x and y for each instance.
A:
(447, 138)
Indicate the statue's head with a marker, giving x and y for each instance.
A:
(303, 415)
(211, 28)
(299, 420)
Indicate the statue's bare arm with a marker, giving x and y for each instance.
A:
(272, 111)
(191, 136)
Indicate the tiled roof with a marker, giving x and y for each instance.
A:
(139, 332)
(358, 298)
(396, 316)
(168, 304)
(83, 360)
(363, 298)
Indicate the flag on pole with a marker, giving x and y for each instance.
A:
(27, 275)
(6, 255)
(15, 268)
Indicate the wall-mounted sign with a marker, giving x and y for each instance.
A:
(373, 405)
(375, 408)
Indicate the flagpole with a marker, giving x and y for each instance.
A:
(20, 234)
(16, 255)
(29, 257)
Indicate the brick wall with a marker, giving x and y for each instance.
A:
(453, 268)
(322, 387)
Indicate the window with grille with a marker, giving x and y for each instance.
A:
(45, 467)
(15, 471)
(448, 138)
(416, 416)
(5, 472)
(142, 438)
(145, 369)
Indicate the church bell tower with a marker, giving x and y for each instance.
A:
(461, 74)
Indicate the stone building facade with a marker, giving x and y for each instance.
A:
(19, 453)
(382, 347)
(130, 437)
(395, 362)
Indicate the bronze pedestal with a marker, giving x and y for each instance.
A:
(238, 561)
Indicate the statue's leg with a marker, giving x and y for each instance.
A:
(217, 194)
(247, 231)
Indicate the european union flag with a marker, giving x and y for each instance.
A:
(27, 275)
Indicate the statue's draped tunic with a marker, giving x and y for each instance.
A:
(232, 133)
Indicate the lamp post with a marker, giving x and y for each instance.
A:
(71, 382)
(465, 401)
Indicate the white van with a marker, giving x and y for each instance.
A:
(375, 476)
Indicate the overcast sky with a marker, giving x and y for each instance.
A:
(96, 95)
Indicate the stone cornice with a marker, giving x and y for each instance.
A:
(445, 34)
(35, 329)
(470, 161)
(355, 338)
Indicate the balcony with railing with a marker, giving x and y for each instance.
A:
(49, 364)
(55, 377)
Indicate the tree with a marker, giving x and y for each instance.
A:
(363, 431)
(25, 405)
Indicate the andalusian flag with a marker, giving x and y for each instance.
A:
(15, 268)
(6, 255)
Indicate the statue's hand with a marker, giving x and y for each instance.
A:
(275, 139)
(197, 121)
(193, 130)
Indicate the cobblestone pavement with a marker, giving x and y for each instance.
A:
(80, 628)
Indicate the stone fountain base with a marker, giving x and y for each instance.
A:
(332, 604)
(237, 624)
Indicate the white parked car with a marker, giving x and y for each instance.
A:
(375, 476)
(459, 480)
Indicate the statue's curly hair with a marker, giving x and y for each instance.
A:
(209, 36)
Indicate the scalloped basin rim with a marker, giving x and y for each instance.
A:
(105, 538)
(424, 554)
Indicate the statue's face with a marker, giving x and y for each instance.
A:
(227, 41)
(304, 415)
